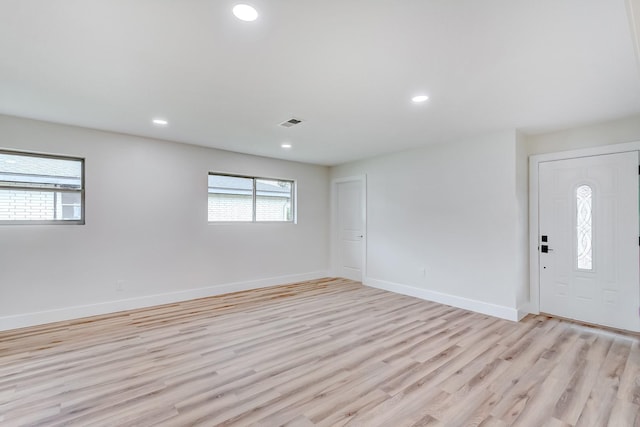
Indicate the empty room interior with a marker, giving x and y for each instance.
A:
(329, 213)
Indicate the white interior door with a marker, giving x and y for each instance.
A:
(588, 242)
(350, 229)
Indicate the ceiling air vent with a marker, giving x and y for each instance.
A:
(291, 122)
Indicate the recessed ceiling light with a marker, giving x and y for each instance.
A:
(244, 12)
(419, 98)
(285, 145)
(160, 122)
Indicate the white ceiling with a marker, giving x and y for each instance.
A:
(348, 68)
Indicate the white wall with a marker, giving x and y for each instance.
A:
(592, 135)
(457, 209)
(146, 224)
(461, 211)
(454, 209)
(522, 228)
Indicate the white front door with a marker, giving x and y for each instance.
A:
(588, 242)
(350, 228)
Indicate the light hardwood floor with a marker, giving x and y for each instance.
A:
(327, 352)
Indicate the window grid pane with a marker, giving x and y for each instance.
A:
(273, 200)
(230, 198)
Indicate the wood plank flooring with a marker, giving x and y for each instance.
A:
(328, 352)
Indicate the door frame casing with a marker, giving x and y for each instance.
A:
(534, 219)
(334, 268)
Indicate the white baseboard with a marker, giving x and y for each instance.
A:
(524, 310)
(76, 312)
(442, 298)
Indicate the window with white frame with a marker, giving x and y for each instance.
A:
(41, 189)
(235, 198)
